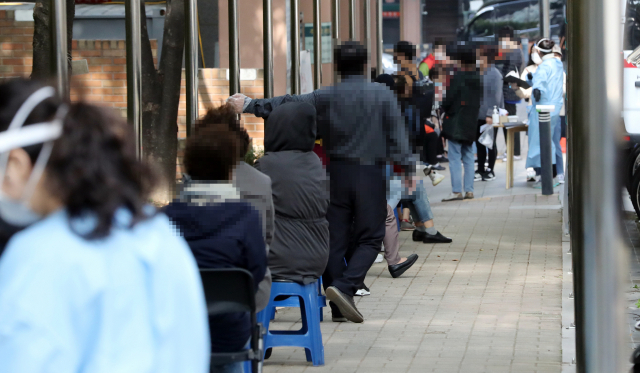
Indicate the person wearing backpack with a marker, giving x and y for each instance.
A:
(420, 97)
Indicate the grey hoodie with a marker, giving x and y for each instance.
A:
(492, 94)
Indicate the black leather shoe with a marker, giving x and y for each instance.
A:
(418, 235)
(397, 270)
(436, 238)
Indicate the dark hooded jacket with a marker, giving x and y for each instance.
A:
(461, 106)
(300, 247)
(222, 232)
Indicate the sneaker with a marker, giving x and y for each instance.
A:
(379, 258)
(443, 159)
(517, 157)
(537, 182)
(453, 197)
(502, 156)
(531, 175)
(436, 178)
(477, 176)
(488, 176)
(468, 195)
(438, 167)
(427, 170)
(406, 226)
(364, 291)
(345, 304)
(561, 178)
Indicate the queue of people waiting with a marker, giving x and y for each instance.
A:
(93, 278)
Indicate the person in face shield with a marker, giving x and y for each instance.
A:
(97, 281)
(547, 89)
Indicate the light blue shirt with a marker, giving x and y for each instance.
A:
(132, 302)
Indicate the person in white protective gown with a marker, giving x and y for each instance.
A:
(547, 89)
(97, 281)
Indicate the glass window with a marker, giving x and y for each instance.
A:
(514, 14)
(632, 25)
(556, 15)
(481, 26)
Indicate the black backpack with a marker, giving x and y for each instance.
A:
(423, 97)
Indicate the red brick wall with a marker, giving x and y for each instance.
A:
(106, 82)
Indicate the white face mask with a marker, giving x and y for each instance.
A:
(18, 212)
(535, 57)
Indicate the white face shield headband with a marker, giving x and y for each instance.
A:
(19, 213)
(542, 49)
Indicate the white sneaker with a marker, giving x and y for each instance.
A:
(517, 157)
(531, 174)
(379, 258)
(561, 178)
(453, 197)
(477, 176)
(364, 291)
(436, 178)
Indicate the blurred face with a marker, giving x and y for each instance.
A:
(440, 53)
(400, 59)
(506, 45)
(17, 174)
(19, 168)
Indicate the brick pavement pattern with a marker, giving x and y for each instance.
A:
(489, 302)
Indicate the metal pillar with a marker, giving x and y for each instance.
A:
(234, 51)
(317, 46)
(60, 63)
(545, 25)
(352, 19)
(267, 24)
(546, 149)
(379, 50)
(191, 62)
(295, 48)
(366, 6)
(594, 92)
(134, 70)
(335, 32)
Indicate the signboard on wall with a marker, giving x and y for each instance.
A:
(391, 9)
(306, 78)
(325, 41)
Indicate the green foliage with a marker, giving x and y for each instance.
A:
(253, 155)
(638, 303)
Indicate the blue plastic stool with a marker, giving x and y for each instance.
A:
(310, 336)
(294, 302)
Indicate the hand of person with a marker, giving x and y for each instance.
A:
(237, 101)
(513, 86)
(536, 94)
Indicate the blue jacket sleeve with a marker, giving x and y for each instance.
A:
(263, 107)
(254, 247)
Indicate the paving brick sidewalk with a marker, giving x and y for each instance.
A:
(489, 302)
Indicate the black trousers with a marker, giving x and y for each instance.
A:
(358, 208)
(430, 148)
(483, 152)
(511, 108)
